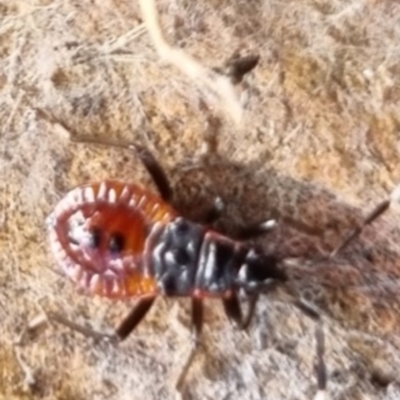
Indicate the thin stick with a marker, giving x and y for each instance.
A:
(29, 375)
(218, 84)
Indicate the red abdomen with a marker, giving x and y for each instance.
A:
(100, 234)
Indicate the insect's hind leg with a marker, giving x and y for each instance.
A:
(137, 314)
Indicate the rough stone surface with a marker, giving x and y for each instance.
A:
(319, 145)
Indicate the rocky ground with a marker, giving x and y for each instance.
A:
(317, 147)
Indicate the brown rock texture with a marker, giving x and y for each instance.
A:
(318, 147)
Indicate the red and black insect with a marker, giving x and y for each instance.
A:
(118, 240)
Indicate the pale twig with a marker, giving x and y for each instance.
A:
(218, 84)
(29, 377)
(123, 40)
(16, 105)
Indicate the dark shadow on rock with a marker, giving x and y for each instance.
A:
(359, 287)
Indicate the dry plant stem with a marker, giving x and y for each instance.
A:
(29, 379)
(218, 84)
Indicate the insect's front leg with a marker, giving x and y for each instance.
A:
(254, 230)
(213, 213)
(244, 232)
(153, 167)
(234, 312)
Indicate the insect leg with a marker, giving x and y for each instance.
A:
(214, 212)
(152, 166)
(156, 172)
(234, 312)
(134, 317)
(320, 367)
(254, 230)
(233, 309)
(197, 325)
(253, 298)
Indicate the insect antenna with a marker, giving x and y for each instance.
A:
(380, 209)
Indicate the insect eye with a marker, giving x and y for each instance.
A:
(116, 243)
(95, 238)
(181, 227)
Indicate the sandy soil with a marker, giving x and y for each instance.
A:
(319, 144)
